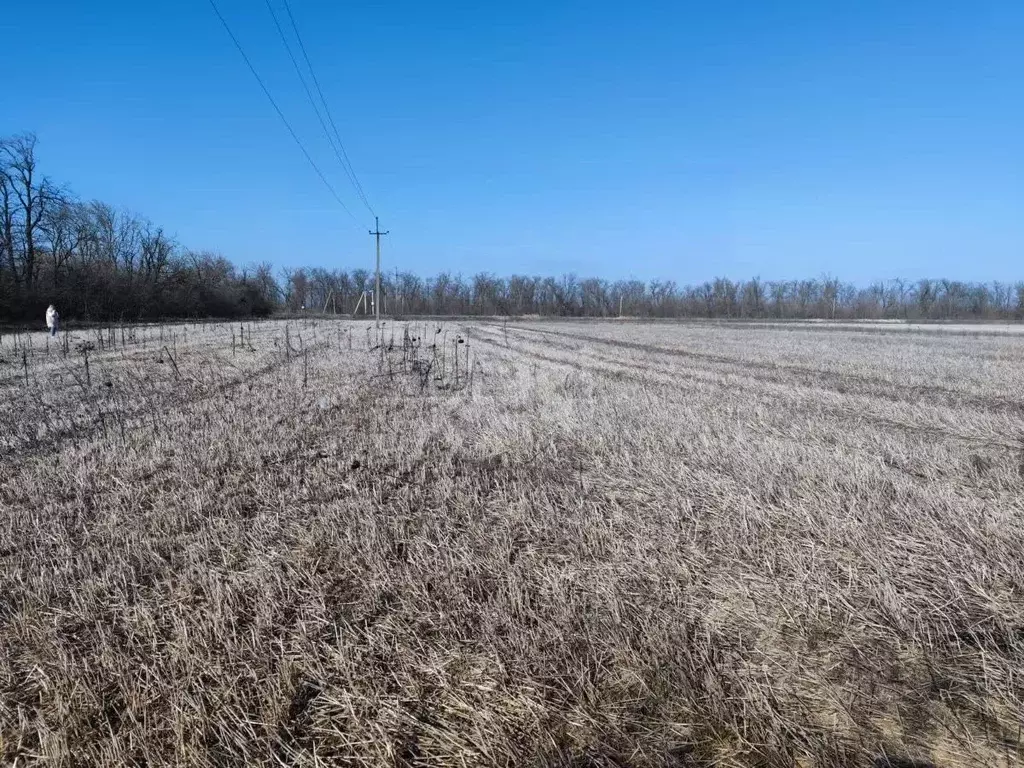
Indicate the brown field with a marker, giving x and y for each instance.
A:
(587, 544)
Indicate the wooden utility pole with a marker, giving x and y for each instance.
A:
(376, 289)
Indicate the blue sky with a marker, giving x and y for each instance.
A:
(677, 140)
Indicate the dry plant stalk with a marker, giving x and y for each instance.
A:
(626, 545)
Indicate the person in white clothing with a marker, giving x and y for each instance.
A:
(52, 319)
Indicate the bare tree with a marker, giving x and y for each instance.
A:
(66, 229)
(7, 226)
(753, 297)
(28, 197)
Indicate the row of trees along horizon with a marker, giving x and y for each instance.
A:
(99, 263)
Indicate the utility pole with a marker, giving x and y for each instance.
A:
(376, 289)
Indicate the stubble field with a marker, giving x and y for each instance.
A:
(575, 544)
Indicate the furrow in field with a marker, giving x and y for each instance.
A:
(794, 391)
(917, 441)
(785, 373)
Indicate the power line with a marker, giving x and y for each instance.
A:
(277, 109)
(348, 163)
(309, 95)
(327, 110)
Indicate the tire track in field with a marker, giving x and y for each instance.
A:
(809, 411)
(751, 384)
(846, 383)
(671, 390)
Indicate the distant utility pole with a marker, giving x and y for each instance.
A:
(376, 289)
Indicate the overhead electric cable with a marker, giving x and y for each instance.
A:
(348, 163)
(343, 161)
(277, 109)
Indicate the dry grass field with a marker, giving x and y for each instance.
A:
(553, 544)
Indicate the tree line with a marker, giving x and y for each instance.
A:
(98, 263)
(405, 293)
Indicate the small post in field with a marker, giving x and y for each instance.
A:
(458, 339)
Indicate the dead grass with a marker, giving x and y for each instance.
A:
(299, 544)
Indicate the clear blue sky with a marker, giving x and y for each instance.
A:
(677, 140)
